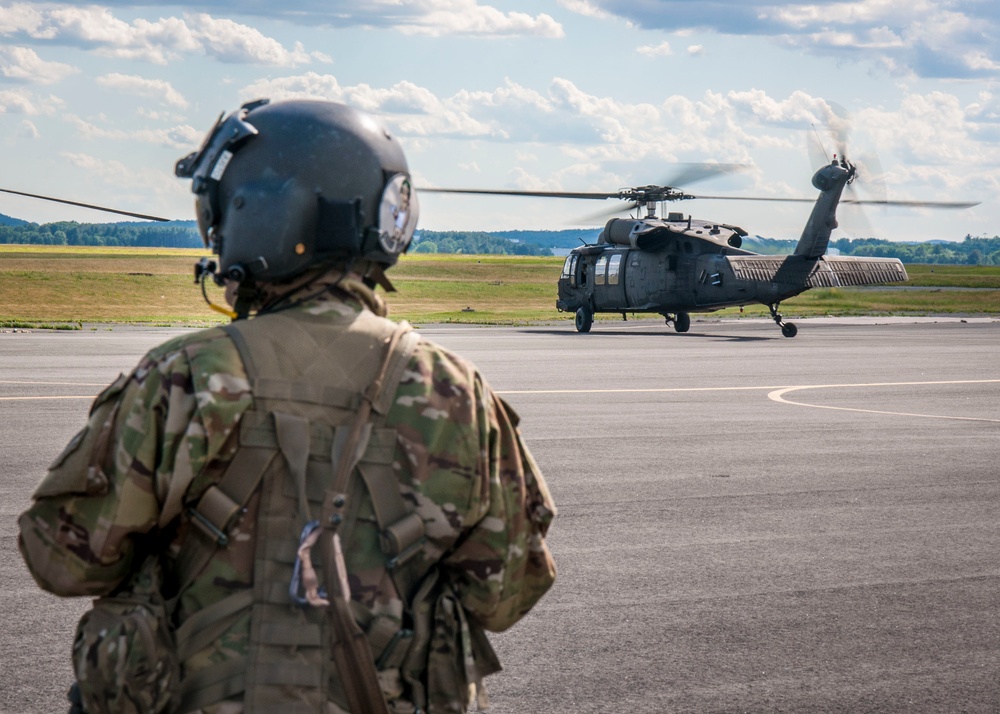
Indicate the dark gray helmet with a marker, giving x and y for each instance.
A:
(285, 186)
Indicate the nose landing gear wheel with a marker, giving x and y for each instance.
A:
(789, 329)
(584, 319)
(682, 323)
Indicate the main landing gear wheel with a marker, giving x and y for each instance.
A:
(682, 323)
(584, 319)
(788, 329)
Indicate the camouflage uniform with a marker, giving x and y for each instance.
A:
(459, 458)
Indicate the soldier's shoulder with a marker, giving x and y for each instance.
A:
(433, 361)
(213, 340)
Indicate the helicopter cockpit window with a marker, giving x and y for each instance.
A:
(572, 262)
(568, 266)
(599, 268)
(614, 267)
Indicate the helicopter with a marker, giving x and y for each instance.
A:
(675, 265)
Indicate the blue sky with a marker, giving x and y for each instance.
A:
(98, 101)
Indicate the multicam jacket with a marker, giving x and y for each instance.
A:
(458, 459)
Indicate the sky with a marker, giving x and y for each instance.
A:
(98, 101)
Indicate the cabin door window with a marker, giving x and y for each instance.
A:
(614, 269)
(599, 270)
(569, 269)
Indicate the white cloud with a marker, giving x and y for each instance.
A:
(467, 17)
(696, 50)
(230, 41)
(25, 18)
(660, 50)
(957, 39)
(21, 64)
(96, 29)
(585, 8)
(153, 88)
(413, 110)
(178, 137)
(19, 102)
(435, 18)
(115, 183)
(28, 130)
(310, 85)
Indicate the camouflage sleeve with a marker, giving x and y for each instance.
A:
(122, 476)
(487, 504)
(518, 513)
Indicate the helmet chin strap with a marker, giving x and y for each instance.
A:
(246, 296)
(375, 275)
(202, 270)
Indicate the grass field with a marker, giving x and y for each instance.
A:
(60, 286)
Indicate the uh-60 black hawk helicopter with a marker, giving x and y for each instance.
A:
(675, 265)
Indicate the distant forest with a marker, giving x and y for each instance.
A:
(184, 234)
(172, 234)
(970, 251)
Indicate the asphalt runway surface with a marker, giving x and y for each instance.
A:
(747, 523)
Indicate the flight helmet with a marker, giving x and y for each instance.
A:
(282, 187)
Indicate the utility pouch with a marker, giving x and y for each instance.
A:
(124, 654)
(449, 656)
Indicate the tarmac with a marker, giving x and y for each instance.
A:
(747, 523)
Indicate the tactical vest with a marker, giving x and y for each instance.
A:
(309, 376)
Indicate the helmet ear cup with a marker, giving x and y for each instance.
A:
(273, 217)
(285, 186)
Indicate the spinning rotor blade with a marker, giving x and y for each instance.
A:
(757, 198)
(862, 202)
(687, 174)
(915, 204)
(605, 215)
(818, 157)
(541, 194)
(85, 205)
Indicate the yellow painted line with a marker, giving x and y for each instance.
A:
(778, 395)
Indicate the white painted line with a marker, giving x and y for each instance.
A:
(633, 391)
(57, 384)
(781, 389)
(778, 395)
(68, 396)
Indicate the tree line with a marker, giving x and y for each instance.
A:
(475, 243)
(184, 234)
(173, 234)
(970, 251)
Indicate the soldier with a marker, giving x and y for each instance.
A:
(312, 509)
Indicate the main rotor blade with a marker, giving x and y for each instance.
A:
(855, 201)
(603, 216)
(687, 174)
(916, 204)
(756, 198)
(541, 194)
(85, 205)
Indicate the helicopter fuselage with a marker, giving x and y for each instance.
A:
(677, 265)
